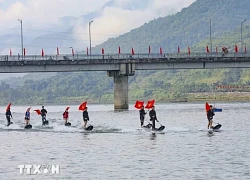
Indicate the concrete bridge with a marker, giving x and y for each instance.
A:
(120, 66)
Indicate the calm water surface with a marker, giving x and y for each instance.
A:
(118, 149)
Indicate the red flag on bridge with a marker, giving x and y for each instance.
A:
(207, 49)
(24, 51)
(236, 48)
(102, 50)
(189, 51)
(160, 51)
(10, 52)
(42, 52)
(119, 50)
(139, 104)
(179, 51)
(133, 52)
(149, 49)
(57, 51)
(72, 50)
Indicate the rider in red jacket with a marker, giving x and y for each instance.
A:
(66, 116)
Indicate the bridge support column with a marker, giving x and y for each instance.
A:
(120, 92)
(121, 85)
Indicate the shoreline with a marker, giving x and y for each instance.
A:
(189, 98)
(132, 102)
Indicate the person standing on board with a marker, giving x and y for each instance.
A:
(8, 116)
(66, 116)
(85, 117)
(210, 115)
(43, 114)
(153, 118)
(142, 115)
(224, 51)
(27, 117)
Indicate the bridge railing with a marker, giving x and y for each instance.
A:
(78, 57)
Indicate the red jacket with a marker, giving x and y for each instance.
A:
(65, 114)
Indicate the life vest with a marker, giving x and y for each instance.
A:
(27, 115)
(65, 115)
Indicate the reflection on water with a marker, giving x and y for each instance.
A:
(153, 136)
(118, 148)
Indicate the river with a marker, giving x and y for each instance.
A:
(118, 148)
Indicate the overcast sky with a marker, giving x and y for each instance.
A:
(115, 19)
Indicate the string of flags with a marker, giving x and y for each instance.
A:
(207, 50)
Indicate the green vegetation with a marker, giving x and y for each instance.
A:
(190, 27)
(164, 86)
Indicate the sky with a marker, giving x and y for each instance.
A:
(119, 17)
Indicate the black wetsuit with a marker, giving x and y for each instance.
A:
(8, 116)
(153, 118)
(43, 114)
(210, 115)
(142, 116)
(85, 116)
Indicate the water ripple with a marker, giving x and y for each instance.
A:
(118, 148)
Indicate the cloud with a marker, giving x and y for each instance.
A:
(116, 20)
(117, 17)
(42, 12)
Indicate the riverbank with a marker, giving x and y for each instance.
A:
(220, 96)
(190, 97)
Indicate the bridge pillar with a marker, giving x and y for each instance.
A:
(120, 92)
(121, 85)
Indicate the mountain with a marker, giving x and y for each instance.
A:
(190, 27)
(186, 28)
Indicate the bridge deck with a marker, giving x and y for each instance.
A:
(80, 62)
(137, 58)
(198, 55)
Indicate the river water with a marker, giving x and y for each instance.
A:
(118, 148)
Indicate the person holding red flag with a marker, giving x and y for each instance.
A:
(224, 51)
(210, 115)
(44, 114)
(153, 118)
(83, 107)
(140, 105)
(142, 115)
(85, 115)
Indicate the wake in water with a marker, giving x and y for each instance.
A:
(78, 128)
(54, 127)
(60, 128)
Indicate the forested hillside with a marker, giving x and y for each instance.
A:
(186, 28)
(98, 87)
